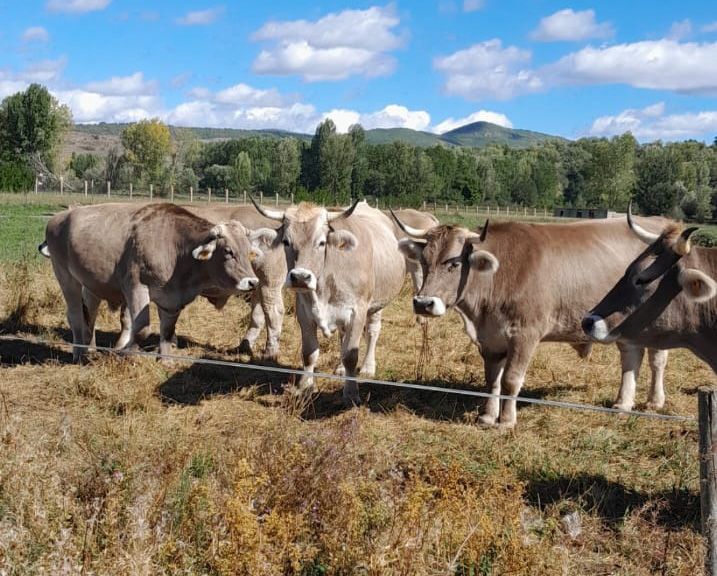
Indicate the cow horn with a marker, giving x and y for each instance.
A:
(271, 214)
(413, 232)
(640, 232)
(682, 245)
(484, 231)
(219, 231)
(345, 214)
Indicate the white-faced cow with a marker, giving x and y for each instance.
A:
(160, 253)
(667, 296)
(345, 268)
(536, 293)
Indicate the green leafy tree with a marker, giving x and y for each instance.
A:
(285, 167)
(241, 172)
(147, 145)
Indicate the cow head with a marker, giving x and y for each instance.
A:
(225, 255)
(307, 234)
(648, 286)
(448, 256)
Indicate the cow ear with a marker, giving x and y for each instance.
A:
(696, 285)
(343, 240)
(411, 249)
(205, 251)
(262, 238)
(483, 262)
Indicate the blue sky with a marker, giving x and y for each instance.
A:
(568, 68)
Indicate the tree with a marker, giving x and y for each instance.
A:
(148, 145)
(32, 123)
(241, 172)
(285, 167)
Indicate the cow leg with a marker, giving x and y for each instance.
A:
(126, 323)
(494, 365)
(309, 343)
(658, 362)
(72, 292)
(373, 329)
(631, 360)
(272, 303)
(138, 304)
(349, 357)
(256, 323)
(341, 369)
(167, 325)
(519, 356)
(91, 306)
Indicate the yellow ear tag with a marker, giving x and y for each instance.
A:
(252, 255)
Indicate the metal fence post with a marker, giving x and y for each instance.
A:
(707, 417)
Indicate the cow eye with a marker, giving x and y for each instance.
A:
(285, 242)
(453, 265)
(228, 251)
(322, 243)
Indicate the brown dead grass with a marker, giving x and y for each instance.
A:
(128, 466)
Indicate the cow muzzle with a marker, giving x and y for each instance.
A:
(301, 279)
(596, 327)
(247, 284)
(428, 306)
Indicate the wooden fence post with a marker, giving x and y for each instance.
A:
(36, 185)
(171, 193)
(62, 185)
(276, 199)
(226, 195)
(261, 197)
(109, 189)
(85, 188)
(191, 194)
(130, 190)
(209, 194)
(151, 191)
(707, 417)
(292, 198)
(245, 197)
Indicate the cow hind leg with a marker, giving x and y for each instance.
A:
(126, 323)
(373, 330)
(167, 326)
(658, 362)
(72, 292)
(631, 360)
(91, 305)
(138, 304)
(494, 366)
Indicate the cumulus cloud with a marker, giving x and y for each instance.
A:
(711, 27)
(35, 34)
(680, 30)
(472, 5)
(688, 67)
(133, 85)
(44, 71)
(201, 17)
(569, 25)
(391, 116)
(480, 116)
(339, 45)
(651, 123)
(487, 70)
(76, 6)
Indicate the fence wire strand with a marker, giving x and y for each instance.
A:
(373, 381)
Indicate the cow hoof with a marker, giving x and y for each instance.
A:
(651, 405)
(244, 347)
(340, 370)
(369, 372)
(486, 421)
(270, 356)
(623, 407)
(505, 427)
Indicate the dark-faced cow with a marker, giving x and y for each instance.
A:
(345, 268)
(667, 296)
(536, 293)
(158, 252)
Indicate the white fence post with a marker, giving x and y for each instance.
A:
(191, 194)
(130, 191)
(244, 197)
(151, 191)
(276, 199)
(62, 185)
(109, 189)
(85, 188)
(226, 195)
(171, 193)
(36, 185)
(261, 197)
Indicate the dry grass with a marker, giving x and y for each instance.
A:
(128, 466)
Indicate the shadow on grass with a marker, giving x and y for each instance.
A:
(198, 381)
(613, 502)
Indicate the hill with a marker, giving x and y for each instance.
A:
(99, 138)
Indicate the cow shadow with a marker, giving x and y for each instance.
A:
(200, 381)
(613, 502)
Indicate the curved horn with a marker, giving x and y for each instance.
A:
(413, 232)
(345, 214)
(219, 231)
(484, 232)
(640, 232)
(271, 214)
(682, 245)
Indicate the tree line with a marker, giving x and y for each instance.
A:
(675, 179)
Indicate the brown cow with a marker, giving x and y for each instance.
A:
(345, 268)
(160, 253)
(537, 293)
(667, 297)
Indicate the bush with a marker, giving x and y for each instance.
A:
(15, 176)
(705, 237)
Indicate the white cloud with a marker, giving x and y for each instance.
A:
(133, 85)
(656, 64)
(680, 30)
(480, 116)
(243, 95)
(76, 6)
(711, 27)
(391, 116)
(487, 70)
(90, 106)
(568, 25)
(334, 47)
(472, 5)
(651, 123)
(201, 17)
(44, 71)
(35, 34)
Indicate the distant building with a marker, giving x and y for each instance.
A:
(583, 213)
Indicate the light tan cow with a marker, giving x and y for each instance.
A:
(344, 268)
(518, 284)
(127, 254)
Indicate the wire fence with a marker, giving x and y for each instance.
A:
(373, 381)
